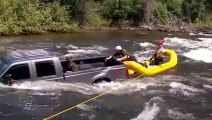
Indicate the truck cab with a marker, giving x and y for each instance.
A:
(29, 65)
(32, 65)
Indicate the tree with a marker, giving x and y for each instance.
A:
(147, 12)
(134, 10)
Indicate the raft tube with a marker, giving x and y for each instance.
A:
(141, 70)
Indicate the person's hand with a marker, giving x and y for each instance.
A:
(150, 59)
(106, 59)
(163, 56)
(119, 60)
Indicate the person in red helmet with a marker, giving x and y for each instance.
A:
(159, 54)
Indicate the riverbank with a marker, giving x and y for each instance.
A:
(160, 28)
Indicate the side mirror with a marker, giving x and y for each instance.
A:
(8, 76)
(9, 80)
(6, 79)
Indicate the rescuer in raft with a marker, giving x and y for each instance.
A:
(159, 54)
(121, 55)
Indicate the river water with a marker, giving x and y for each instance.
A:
(182, 93)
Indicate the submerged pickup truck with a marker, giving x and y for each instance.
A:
(32, 65)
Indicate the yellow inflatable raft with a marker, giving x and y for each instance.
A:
(132, 65)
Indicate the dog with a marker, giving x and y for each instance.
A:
(71, 64)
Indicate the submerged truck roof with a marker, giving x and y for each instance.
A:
(24, 55)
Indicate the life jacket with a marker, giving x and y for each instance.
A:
(120, 56)
(128, 55)
(123, 54)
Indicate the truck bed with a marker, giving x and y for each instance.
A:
(44, 65)
(89, 63)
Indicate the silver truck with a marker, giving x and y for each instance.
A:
(32, 65)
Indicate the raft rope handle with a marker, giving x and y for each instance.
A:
(89, 100)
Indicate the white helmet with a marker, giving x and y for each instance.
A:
(118, 47)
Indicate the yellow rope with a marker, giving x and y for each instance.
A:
(68, 109)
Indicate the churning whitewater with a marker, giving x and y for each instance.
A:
(185, 47)
(180, 93)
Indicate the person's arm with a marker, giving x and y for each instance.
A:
(154, 55)
(109, 57)
(106, 59)
(162, 52)
(124, 58)
(112, 56)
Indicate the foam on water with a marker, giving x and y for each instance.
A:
(205, 42)
(76, 50)
(192, 34)
(176, 115)
(146, 53)
(201, 54)
(84, 107)
(184, 89)
(93, 47)
(180, 42)
(201, 34)
(72, 47)
(183, 92)
(188, 43)
(170, 78)
(143, 55)
(147, 44)
(205, 78)
(207, 87)
(46, 93)
(200, 49)
(124, 87)
(150, 111)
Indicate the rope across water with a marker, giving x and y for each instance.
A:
(89, 100)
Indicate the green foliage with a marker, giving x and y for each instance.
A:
(194, 9)
(120, 10)
(203, 24)
(30, 16)
(207, 23)
(114, 10)
(174, 6)
(170, 11)
(72, 6)
(93, 15)
(161, 12)
(37, 16)
(134, 10)
(165, 8)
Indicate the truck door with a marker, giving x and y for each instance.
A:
(47, 70)
(19, 72)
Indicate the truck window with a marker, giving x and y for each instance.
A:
(18, 72)
(45, 68)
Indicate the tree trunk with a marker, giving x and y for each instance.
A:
(147, 15)
(81, 11)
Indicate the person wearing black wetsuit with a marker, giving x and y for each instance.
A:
(121, 55)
